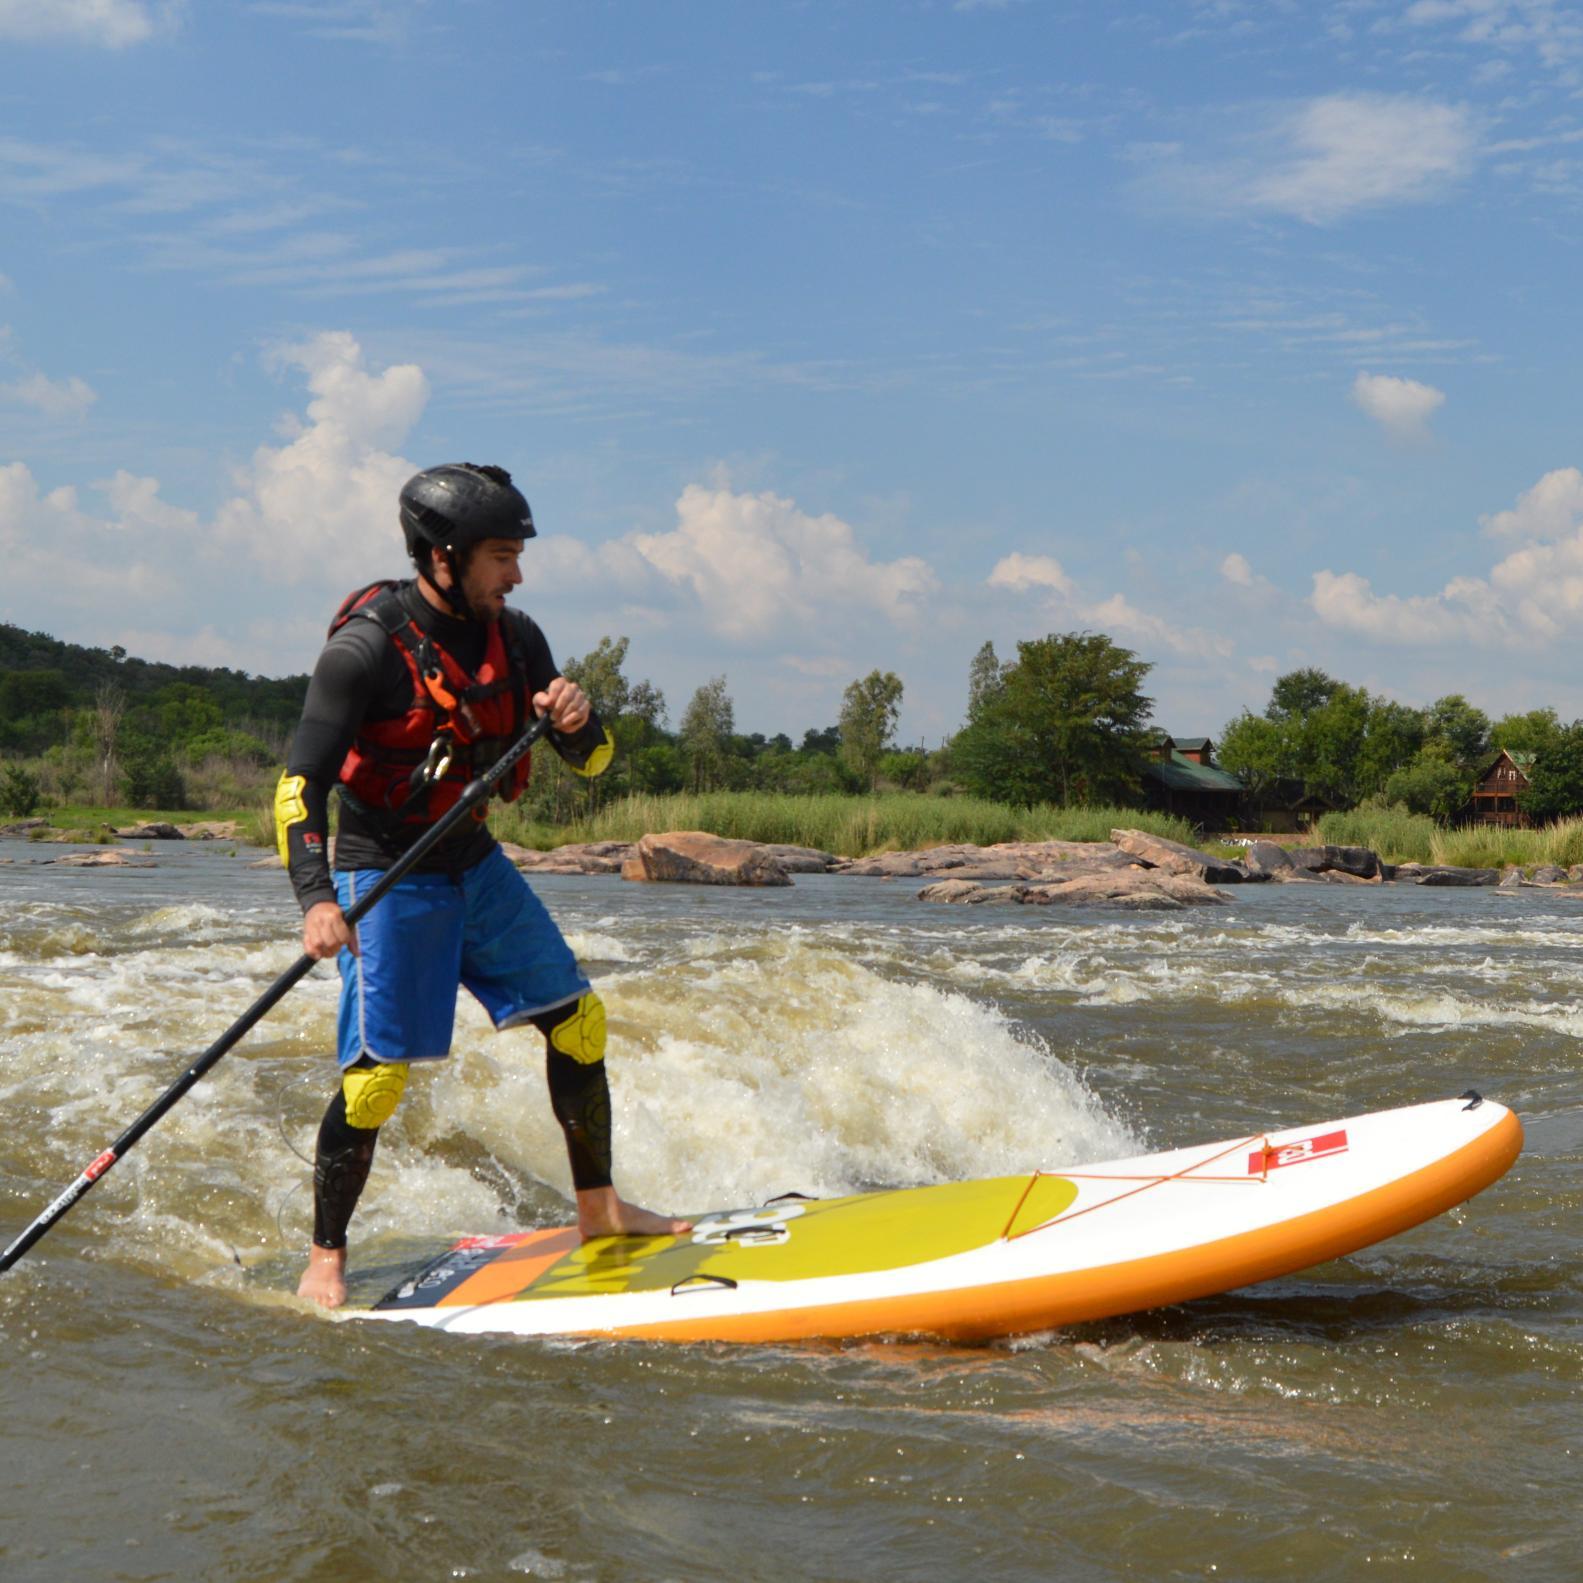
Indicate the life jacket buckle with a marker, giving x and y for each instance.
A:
(437, 764)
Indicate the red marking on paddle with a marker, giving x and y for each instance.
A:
(100, 1166)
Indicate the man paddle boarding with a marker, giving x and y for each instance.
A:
(421, 685)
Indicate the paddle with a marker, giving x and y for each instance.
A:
(473, 793)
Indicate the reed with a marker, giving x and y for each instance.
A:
(1484, 846)
(847, 826)
(1402, 837)
(1397, 835)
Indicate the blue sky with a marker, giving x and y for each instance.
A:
(821, 336)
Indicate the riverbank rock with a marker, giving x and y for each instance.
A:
(110, 857)
(1441, 874)
(801, 859)
(1026, 860)
(22, 826)
(694, 857)
(1548, 874)
(212, 830)
(1511, 878)
(1358, 861)
(587, 857)
(152, 830)
(1171, 856)
(1267, 857)
(1134, 889)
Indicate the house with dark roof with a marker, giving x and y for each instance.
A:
(1494, 797)
(1180, 776)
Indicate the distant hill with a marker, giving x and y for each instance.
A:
(43, 678)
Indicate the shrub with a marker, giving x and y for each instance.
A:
(153, 781)
(19, 791)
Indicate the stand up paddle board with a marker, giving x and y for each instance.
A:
(970, 1260)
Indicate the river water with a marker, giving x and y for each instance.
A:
(169, 1411)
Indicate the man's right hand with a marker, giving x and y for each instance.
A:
(325, 931)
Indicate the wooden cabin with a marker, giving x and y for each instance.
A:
(1180, 776)
(1494, 799)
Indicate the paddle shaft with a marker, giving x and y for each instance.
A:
(475, 792)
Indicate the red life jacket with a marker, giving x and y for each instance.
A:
(471, 718)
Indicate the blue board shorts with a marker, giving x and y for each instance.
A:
(484, 931)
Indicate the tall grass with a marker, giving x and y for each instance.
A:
(1484, 846)
(1402, 837)
(1398, 836)
(848, 826)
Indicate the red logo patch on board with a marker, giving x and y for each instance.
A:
(1273, 1157)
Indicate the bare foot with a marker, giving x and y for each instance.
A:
(602, 1212)
(324, 1280)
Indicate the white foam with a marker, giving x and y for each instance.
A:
(786, 1066)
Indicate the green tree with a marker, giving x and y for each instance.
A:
(1066, 726)
(1257, 749)
(1536, 732)
(109, 704)
(19, 791)
(1555, 783)
(1300, 693)
(1430, 785)
(706, 730)
(184, 711)
(600, 676)
(1461, 728)
(908, 769)
(869, 709)
(983, 680)
(1392, 735)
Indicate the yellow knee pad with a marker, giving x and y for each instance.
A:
(582, 1034)
(373, 1092)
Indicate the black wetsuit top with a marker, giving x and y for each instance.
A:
(362, 676)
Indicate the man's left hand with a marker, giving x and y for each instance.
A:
(566, 704)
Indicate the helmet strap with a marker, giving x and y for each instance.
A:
(453, 596)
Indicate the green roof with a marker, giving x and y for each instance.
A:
(1182, 774)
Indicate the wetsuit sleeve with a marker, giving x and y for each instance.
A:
(587, 752)
(344, 682)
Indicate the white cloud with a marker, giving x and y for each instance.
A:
(1552, 509)
(1325, 159)
(112, 24)
(1021, 573)
(54, 548)
(1018, 571)
(1554, 31)
(757, 565)
(1235, 569)
(55, 398)
(1402, 407)
(322, 507)
(1118, 614)
(1536, 592)
(1460, 611)
(318, 510)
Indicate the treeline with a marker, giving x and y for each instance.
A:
(1065, 723)
(1355, 748)
(95, 725)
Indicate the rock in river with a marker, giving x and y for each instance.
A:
(695, 857)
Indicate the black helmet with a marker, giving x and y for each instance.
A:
(459, 504)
